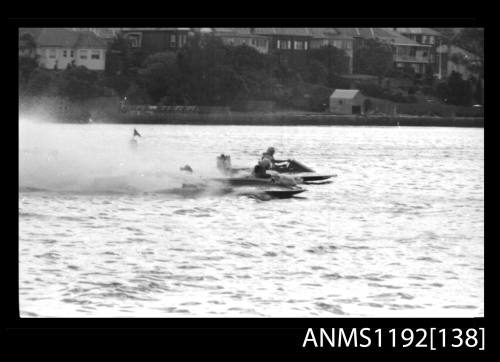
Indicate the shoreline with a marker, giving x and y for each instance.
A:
(292, 119)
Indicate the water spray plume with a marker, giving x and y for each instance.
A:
(98, 158)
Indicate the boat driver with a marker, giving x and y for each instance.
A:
(261, 168)
(269, 155)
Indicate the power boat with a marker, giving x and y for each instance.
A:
(297, 169)
(279, 186)
(293, 168)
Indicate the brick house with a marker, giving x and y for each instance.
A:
(407, 52)
(242, 36)
(155, 40)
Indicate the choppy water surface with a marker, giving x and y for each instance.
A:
(399, 231)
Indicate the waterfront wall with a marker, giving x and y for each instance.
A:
(109, 110)
(295, 119)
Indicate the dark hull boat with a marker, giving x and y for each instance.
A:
(292, 168)
(267, 186)
(297, 169)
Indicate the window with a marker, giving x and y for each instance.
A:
(51, 53)
(134, 40)
(299, 45)
(284, 44)
(65, 53)
(173, 40)
(96, 54)
(431, 39)
(337, 44)
(341, 101)
(72, 53)
(262, 43)
(182, 39)
(83, 54)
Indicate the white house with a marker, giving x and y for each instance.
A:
(57, 47)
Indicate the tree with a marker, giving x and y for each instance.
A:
(160, 75)
(118, 56)
(316, 72)
(243, 58)
(472, 39)
(334, 60)
(212, 73)
(79, 83)
(27, 66)
(460, 91)
(373, 57)
(27, 45)
(39, 82)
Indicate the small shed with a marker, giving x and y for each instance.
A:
(347, 101)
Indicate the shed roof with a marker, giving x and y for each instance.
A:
(345, 93)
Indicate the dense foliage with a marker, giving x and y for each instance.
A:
(373, 57)
(207, 72)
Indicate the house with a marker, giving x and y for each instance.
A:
(455, 59)
(286, 39)
(290, 45)
(425, 36)
(347, 101)
(407, 52)
(332, 37)
(58, 47)
(242, 36)
(155, 40)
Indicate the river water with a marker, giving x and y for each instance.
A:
(398, 233)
